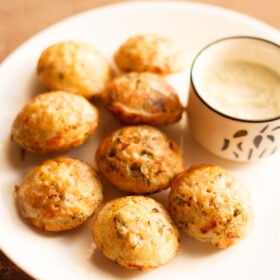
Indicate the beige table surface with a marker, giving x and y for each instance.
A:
(21, 19)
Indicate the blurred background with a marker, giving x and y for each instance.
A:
(20, 19)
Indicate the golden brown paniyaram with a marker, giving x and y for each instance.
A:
(54, 122)
(210, 204)
(136, 232)
(150, 52)
(75, 67)
(143, 98)
(139, 159)
(60, 194)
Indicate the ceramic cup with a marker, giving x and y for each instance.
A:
(219, 129)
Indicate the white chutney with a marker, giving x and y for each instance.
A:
(242, 89)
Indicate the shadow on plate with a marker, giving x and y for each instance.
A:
(35, 87)
(195, 249)
(111, 268)
(19, 159)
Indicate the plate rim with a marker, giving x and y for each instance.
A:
(210, 8)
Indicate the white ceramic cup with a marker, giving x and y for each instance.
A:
(225, 135)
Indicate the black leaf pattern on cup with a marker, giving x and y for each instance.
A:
(275, 128)
(235, 154)
(237, 147)
(264, 129)
(257, 140)
(237, 134)
(271, 137)
(226, 144)
(250, 154)
(262, 153)
(240, 133)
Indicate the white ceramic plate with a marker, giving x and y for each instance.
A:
(70, 255)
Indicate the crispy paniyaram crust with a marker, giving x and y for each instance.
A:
(210, 204)
(75, 67)
(60, 194)
(136, 232)
(139, 159)
(54, 122)
(150, 52)
(143, 98)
